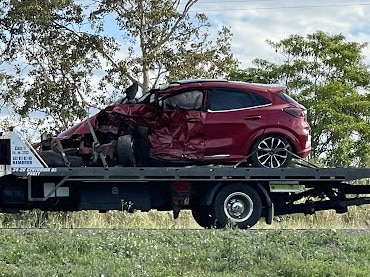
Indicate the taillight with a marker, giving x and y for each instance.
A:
(296, 112)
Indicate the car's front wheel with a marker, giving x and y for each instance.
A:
(271, 151)
(125, 151)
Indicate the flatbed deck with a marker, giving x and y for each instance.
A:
(197, 173)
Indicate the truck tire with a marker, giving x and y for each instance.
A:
(268, 151)
(125, 151)
(239, 204)
(202, 215)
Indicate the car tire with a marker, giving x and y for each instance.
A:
(238, 204)
(271, 151)
(202, 215)
(125, 151)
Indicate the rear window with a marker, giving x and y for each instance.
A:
(222, 99)
(287, 98)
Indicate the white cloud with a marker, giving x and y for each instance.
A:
(252, 22)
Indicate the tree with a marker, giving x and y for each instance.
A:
(164, 42)
(47, 60)
(329, 76)
(57, 60)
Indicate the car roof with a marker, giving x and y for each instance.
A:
(204, 83)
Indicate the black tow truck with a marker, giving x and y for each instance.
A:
(216, 195)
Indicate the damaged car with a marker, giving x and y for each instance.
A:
(189, 122)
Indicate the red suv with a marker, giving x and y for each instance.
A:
(190, 122)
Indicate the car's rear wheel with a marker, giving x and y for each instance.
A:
(271, 151)
(125, 151)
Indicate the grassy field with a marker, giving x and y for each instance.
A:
(51, 244)
(183, 253)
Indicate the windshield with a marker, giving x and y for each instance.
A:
(121, 100)
(147, 98)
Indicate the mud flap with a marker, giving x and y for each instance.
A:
(180, 191)
(269, 213)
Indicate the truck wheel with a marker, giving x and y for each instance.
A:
(125, 151)
(239, 204)
(271, 151)
(202, 216)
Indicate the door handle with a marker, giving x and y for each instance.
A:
(193, 119)
(253, 117)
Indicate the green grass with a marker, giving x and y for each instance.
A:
(51, 244)
(178, 253)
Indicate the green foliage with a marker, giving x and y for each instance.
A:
(51, 61)
(328, 75)
(53, 53)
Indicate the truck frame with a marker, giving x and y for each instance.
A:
(216, 195)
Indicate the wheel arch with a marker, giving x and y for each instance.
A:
(292, 139)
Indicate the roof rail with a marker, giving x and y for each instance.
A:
(189, 81)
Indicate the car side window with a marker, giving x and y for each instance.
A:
(189, 100)
(221, 99)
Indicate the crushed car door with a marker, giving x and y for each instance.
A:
(179, 133)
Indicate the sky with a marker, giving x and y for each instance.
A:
(254, 21)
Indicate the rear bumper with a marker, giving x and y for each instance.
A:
(305, 151)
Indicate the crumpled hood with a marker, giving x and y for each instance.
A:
(79, 129)
(113, 116)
